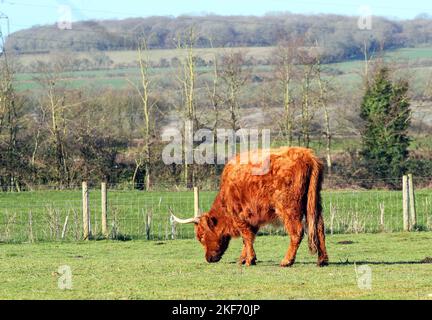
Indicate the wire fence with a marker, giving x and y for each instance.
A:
(57, 215)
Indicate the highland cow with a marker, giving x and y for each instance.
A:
(289, 192)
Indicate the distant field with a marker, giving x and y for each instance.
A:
(398, 264)
(118, 78)
(412, 53)
(120, 57)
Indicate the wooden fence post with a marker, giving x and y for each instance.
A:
(86, 211)
(65, 227)
(173, 228)
(428, 219)
(332, 217)
(31, 237)
(148, 225)
(405, 203)
(104, 203)
(197, 212)
(412, 208)
(382, 211)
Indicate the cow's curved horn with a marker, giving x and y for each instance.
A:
(184, 221)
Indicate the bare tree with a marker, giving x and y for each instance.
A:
(366, 62)
(213, 94)
(55, 109)
(143, 90)
(234, 76)
(187, 80)
(308, 64)
(9, 120)
(216, 101)
(285, 57)
(323, 99)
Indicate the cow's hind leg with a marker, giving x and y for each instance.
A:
(248, 256)
(294, 227)
(243, 255)
(322, 252)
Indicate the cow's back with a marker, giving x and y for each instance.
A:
(254, 197)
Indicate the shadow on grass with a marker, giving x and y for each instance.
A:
(112, 236)
(427, 260)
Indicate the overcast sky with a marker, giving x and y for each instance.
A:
(26, 13)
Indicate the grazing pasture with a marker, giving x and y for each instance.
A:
(400, 267)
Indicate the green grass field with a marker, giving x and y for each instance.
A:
(345, 211)
(399, 263)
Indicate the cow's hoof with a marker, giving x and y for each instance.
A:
(287, 263)
(251, 262)
(242, 260)
(323, 263)
(248, 262)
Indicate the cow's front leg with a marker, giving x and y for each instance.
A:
(248, 256)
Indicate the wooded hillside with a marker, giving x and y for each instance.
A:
(338, 35)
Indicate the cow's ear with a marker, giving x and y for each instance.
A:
(212, 222)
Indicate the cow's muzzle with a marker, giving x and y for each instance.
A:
(213, 259)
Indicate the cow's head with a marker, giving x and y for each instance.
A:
(209, 230)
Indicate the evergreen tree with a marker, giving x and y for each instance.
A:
(386, 112)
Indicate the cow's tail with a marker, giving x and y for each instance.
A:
(314, 208)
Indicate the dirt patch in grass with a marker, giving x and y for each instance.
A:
(345, 242)
(426, 260)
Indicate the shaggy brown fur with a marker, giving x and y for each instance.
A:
(245, 202)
